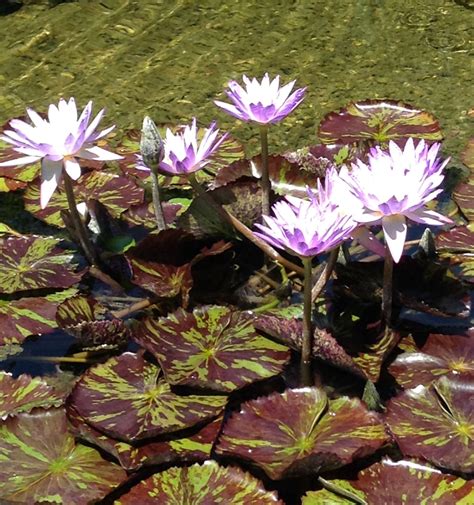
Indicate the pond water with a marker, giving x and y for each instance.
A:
(171, 58)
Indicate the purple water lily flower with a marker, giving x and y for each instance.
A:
(184, 153)
(395, 185)
(58, 141)
(263, 102)
(307, 227)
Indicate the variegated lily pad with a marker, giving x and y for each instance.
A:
(451, 355)
(204, 484)
(301, 432)
(144, 214)
(456, 246)
(378, 120)
(464, 196)
(115, 192)
(126, 398)
(15, 177)
(400, 482)
(212, 347)
(190, 448)
(29, 263)
(24, 393)
(42, 463)
(30, 316)
(436, 423)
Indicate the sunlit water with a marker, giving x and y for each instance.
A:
(171, 58)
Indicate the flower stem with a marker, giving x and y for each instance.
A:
(325, 274)
(77, 222)
(265, 181)
(155, 188)
(387, 288)
(307, 325)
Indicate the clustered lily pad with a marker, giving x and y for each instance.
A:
(185, 339)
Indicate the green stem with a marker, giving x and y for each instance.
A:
(306, 379)
(77, 222)
(160, 218)
(387, 288)
(265, 181)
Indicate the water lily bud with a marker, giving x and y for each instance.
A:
(151, 144)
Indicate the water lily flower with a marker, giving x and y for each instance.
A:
(58, 142)
(395, 185)
(306, 227)
(184, 153)
(263, 102)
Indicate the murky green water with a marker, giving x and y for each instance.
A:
(170, 58)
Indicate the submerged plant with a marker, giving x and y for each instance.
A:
(264, 103)
(306, 228)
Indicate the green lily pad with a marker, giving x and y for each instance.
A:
(126, 398)
(213, 348)
(204, 484)
(117, 193)
(396, 482)
(189, 448)
(378, 120)
(30, 316)
(301, 432)
(23, 393)
(30, 262)
(436, 423)
(42, 463)
(451, 355)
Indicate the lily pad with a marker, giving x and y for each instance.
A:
(289, 330)
(436, 423)
(212, 347)
(23, 393)
(301, 432)
(190, 448)
(42, 463)
(464, 196)
(392, 482)
(379, 121)
(144, 214)
(286, 177)
(30, 316)
(30, 262)
(126, 398)
(201, 485)
(15, 177)
(451, 355)
(117, 193)
(456, 246)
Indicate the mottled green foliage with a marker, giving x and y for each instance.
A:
(31, 262)
(212, 347)
(450, 355)
(201, 485)
(23, 393)
(379, 121)
(436, 423)
(127, 398)
(40, 462)
(301, 432)
(403, 482)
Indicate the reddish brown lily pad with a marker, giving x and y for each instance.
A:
(212, 348)
(46, 465)
(204, 484)
(31, 262)
(450, 355)
(144, 214)
(117, 193)
(126, 398)
(378, 120)
(436, 423)
(400, 482)
(190, 448)
(30, 316)
(300, 432)
(23, 393)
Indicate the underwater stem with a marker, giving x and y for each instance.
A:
(265, 181)
(307, 325)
